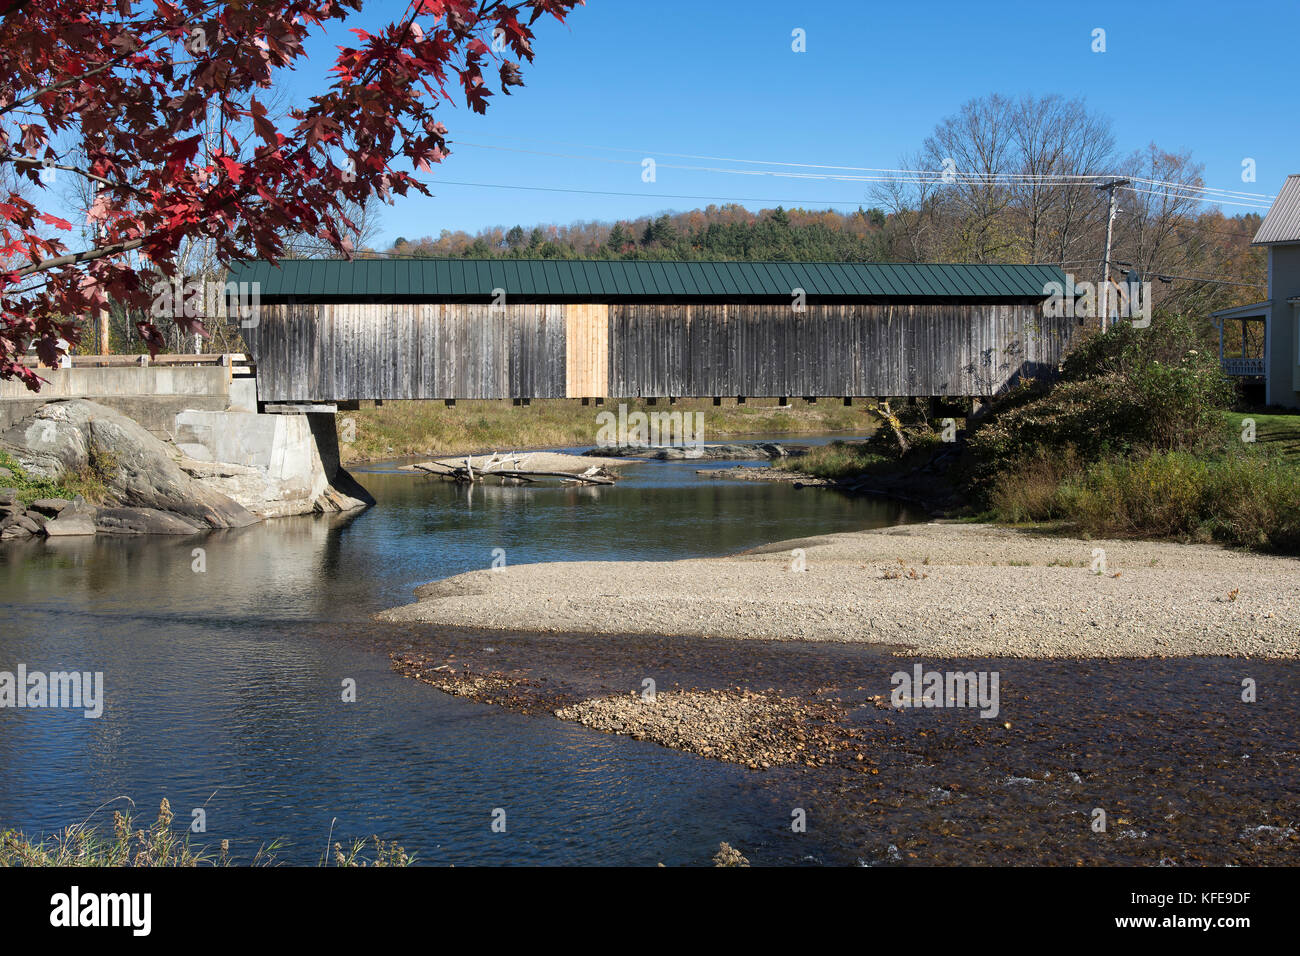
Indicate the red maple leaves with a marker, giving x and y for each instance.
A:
(155, 108)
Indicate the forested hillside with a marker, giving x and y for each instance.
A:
(1000, 181)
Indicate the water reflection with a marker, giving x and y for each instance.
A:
(223, 687)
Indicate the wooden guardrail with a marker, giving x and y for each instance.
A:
(235, 360)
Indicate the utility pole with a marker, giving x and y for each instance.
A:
(100, 231)
(1110, 188)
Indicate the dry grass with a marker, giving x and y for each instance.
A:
(1242, 499)
(1031, 492)
(401, 429)
(89, 482)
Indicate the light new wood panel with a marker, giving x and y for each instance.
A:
(586, 350)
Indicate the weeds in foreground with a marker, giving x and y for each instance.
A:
(385, 854)
(160, 845)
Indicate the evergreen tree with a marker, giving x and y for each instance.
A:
(618, 238)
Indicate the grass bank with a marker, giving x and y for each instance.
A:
(399, 429)
(1236, 483)
(1277, 434)
(1246, 499)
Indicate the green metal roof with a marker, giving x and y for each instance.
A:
(571, 280)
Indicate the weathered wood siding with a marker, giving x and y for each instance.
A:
(424, 351)
(335, 352)
(765, 350)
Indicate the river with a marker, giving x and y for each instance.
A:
(223, 685)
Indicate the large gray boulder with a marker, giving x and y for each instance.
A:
(17, 524)
(142, 521)
(66, 437)
(69, 525)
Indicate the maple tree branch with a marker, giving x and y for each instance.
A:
(72, 258)
(11, 158)
(107, 64)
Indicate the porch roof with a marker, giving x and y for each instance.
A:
(1260, 309)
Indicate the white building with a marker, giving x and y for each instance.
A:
(1274, 355)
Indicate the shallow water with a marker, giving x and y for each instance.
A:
(223, 687)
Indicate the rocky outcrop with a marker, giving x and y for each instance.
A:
(268, 498)
(141, 521)
(59, 518)
(70, 526)
(15, 521)
(220, 470)
(139, 471)
(52, 517)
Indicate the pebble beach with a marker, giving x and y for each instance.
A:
(938, 588)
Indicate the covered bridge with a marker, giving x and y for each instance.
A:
(334, 330)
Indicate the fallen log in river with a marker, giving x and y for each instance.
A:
(510, 469)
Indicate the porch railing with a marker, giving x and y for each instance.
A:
(1242, 366)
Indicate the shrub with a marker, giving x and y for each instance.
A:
(1128, 391)
(1030, 492)
(1124, 350)
(1160, 494)
(88, 483)
(1243, 499)
(1255, 501)
(162, 845)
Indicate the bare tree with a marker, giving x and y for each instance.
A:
(1061, 147)
(1003, 180)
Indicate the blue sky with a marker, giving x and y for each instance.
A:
(720, 79)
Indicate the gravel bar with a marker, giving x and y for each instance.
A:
(937, 589)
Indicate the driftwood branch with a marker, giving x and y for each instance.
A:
(497, 468)
(903, 444)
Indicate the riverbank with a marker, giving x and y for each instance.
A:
(406, 429)
(939, 588)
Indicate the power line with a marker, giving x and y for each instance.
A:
(1166, 276)
(606, 192)
(1178, 194)
(732, 199)
(908, 175)
(726, 159)
(936, 175)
